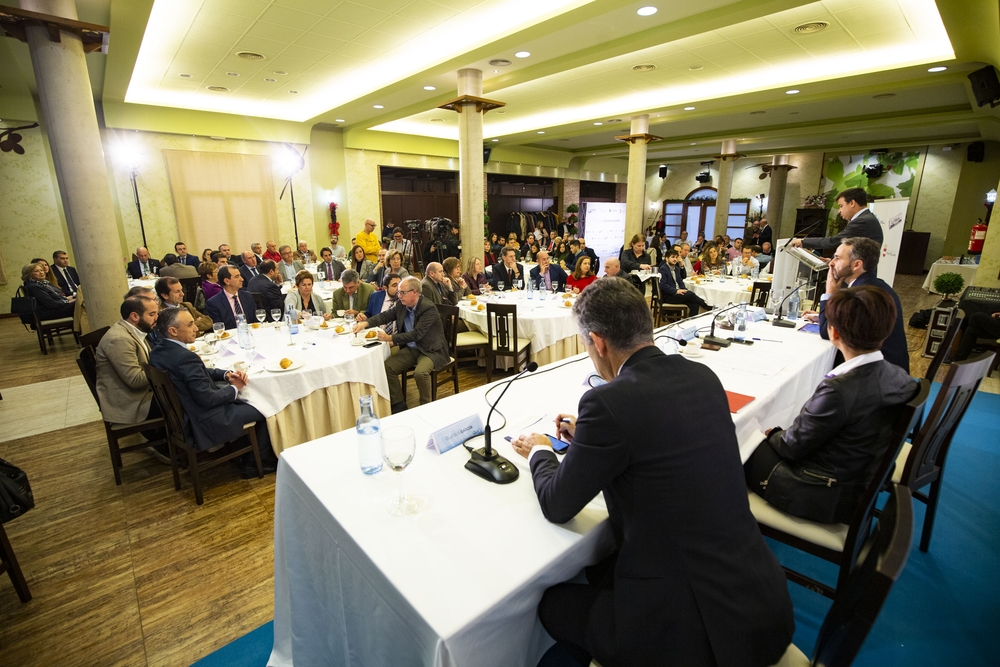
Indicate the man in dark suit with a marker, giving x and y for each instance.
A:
(854, 264)
(852, 205)
(255, 248)
(764, 233)
(142, 265)
(419, 336)
(180, 248)
(330, 267)
(509, 272)
(436, 287)
(248, 269)
(589, 252)
(264, 284)
(692, 582)
(213, 414)
(69, 279)
(672, 275)
(233, 300)
(547, 276)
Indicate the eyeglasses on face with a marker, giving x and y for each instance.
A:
(407, 291)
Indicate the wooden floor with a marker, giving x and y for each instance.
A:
(139, 574)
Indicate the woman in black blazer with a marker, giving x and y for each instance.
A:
(819, 467)
(50, 302)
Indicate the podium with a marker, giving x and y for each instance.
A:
(792, 266)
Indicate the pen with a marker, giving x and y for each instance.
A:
(768, 340)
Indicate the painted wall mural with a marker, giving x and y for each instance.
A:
(883, 176)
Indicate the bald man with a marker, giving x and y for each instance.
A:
(369, 241)
(612, 268)
(143, 265)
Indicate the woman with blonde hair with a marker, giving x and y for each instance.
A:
(475, 277)
(50, 302)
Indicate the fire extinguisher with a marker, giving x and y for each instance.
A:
(978, 238)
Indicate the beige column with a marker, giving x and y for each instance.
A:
(725, 189)
(70, 121)
(776, 196)
(635, 196)
(470, 164)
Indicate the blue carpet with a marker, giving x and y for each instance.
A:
(250, 650)
(945, 608)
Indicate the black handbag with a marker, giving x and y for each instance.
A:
(15, 492)
(24, 307)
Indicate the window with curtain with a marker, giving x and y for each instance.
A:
(222, 198)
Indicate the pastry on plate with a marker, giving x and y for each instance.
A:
(285, 363)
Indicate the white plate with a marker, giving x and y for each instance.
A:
(694, 352)
(562, 304)
(275, 366)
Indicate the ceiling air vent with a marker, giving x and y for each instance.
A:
(500, 62)
(218, 89)
(643, 68)
(811, 27)
(250, 55)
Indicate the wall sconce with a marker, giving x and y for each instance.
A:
(991, 196)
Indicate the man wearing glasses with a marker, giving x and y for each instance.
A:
(419, 336)
(369, 241)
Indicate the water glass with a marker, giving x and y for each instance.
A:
(500, 285)
(261, 315)
(305, 316)
(218, 328)
(276, 315)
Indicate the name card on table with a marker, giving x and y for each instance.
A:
(453, 435)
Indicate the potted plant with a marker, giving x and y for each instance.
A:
(816, 201)
(948, 284)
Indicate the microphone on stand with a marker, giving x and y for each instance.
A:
(711, 338)
(486, 462)
(803, 232)
(679, 341)
(777, 321)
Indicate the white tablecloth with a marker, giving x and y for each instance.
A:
(458, 584)
(717, 293)
(543, 320)
(967, 271)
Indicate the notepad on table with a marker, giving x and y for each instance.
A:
(737, 401)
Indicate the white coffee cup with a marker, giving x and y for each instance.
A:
(239, 366)
(340, 313)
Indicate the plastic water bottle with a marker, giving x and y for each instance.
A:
(793, 306)
(754, 273)
(242, 332)
(740, 329)
(369, 438)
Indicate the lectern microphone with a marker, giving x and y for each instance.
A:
(485, 462)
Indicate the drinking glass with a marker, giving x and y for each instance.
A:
(305, 316)
(261, 315)
(276, 315)
(398, 444)
(321, 275)
(774, 300)
(219, 328)
(500, 285)
(349, 320)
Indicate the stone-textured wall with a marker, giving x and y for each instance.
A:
(935, 199)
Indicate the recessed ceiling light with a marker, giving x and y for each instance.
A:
(688, 108)
(437, 120)
(693, 143)
(429, 88)
(793, 91)
(232, 73)
(250, 55)
(598, 123)
(939, 68)
(279, 72)
(270, 80)
(643, 68)
(377, 106)
(293, 92)
(696, 68)
(540, 132)
(811, 27)
(184, 76)
(339, 120)
(522, 54)
(646, 11)
(500, 62)
(218, 89)
(494, 140)
(496, 71)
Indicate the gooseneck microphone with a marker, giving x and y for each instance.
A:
(486, 462)
(777, 321)
(711, 338)
(679, 341)
(803, 232)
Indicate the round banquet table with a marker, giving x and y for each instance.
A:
(718, 293)
(546, 322)
(317, 399)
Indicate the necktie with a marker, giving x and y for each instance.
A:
(236, 305)
(510, 276)
(69, 280)
(253, 272)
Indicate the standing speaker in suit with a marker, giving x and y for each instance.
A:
(852, 205)
(692, 581)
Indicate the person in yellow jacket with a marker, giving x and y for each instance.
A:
(369, 241)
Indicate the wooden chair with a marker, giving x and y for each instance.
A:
(8, 564)
(760, 293)
(93, 338)
(921, 462)
(258, 300)
(198, 462)
(46, 329)
(665, 312)
(190, 286)
(945, 344)
(501, 332)
(839, 543)
(87, 362)
(449, 320)
(855, 611)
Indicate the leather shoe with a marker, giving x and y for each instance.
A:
(398, 407)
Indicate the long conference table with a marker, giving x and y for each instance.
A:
(458, 583)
